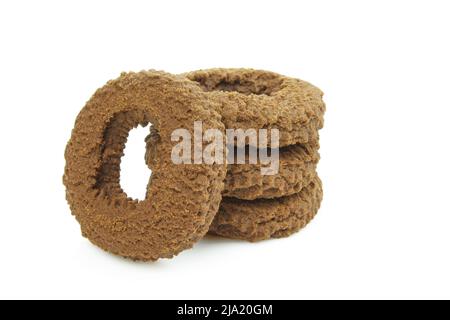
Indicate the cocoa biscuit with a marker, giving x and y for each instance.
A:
(267, 218)
(297, 168)
(297, 165)
(257, 99)
(182, 199)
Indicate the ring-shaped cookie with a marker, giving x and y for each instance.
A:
(258, 99)
(297, 168)
(182, 198)
(264, 219)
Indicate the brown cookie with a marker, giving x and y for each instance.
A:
(182, 199)
(257, 99)
(267, 218)
(297, 165)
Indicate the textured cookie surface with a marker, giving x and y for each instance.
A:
(257, 99)
(267, 218)
(182, 199)
(297, 165)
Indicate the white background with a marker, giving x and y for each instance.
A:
(384, 227)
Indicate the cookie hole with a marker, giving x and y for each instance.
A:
(257, 86)
(134, 173)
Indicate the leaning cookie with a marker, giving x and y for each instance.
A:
(182, 199)
(267, 218)
(257, 99)
(296, 169)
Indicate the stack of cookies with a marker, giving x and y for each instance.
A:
(187, 198)
(258, 206)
